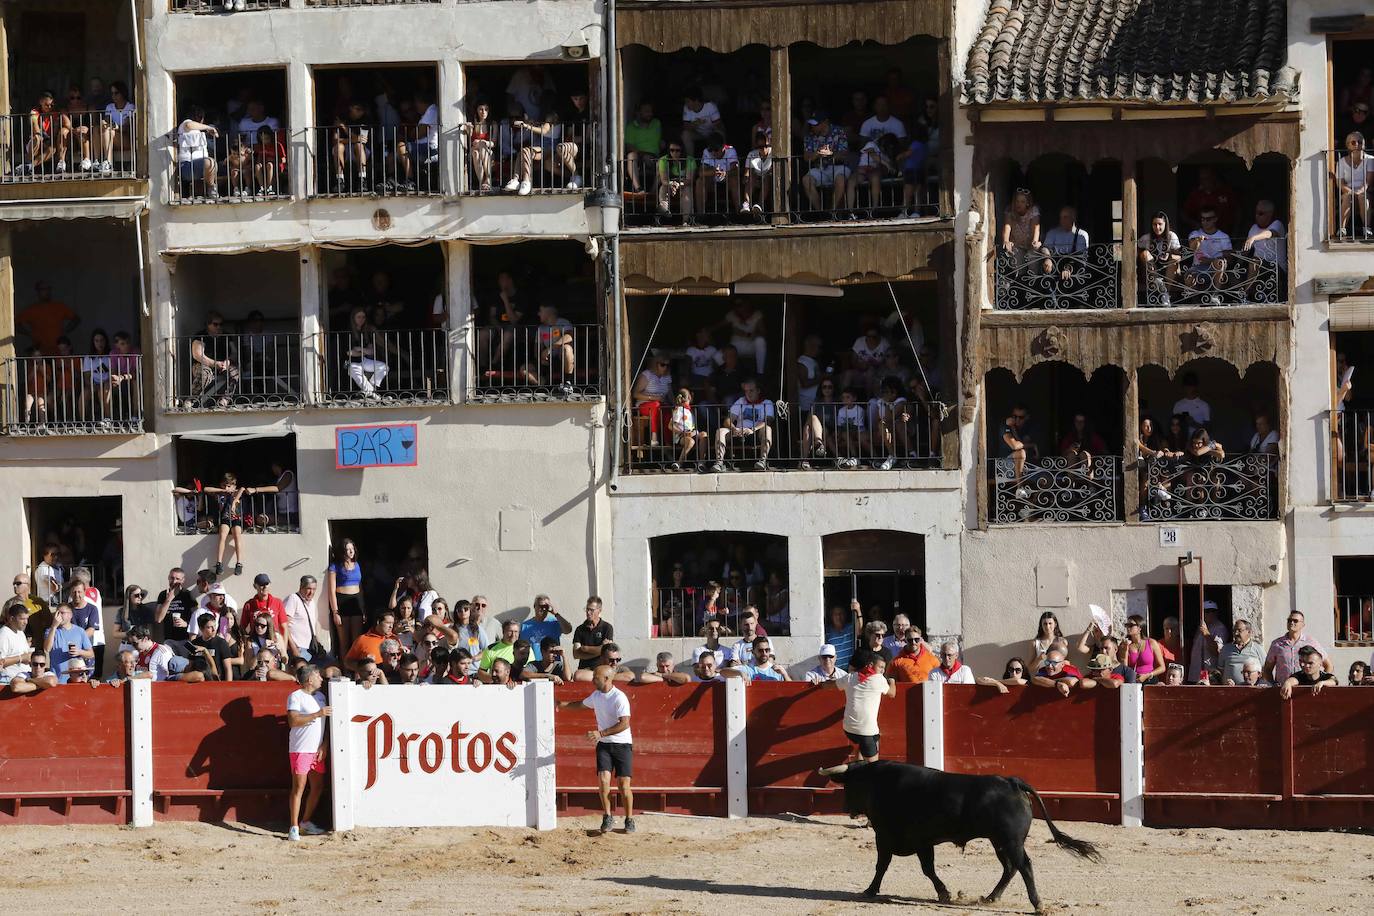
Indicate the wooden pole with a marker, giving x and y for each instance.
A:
(1130, 225)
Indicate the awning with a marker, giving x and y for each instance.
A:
(275, 430)
(74, 208)
(724, 27)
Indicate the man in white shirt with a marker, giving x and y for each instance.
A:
(718, 177)
(882, 123)
(206, 583)
(302, 621)
(1199, 411)
(47, 578)
(1212, 635)
(426, 145)
(255, 117)
(951, 670)
(712, 630)
(15, 651)
(700, 119)
(1268, 240)
(1266, 437)
(750, 418)
(1210, 245)
(614, 743)
(825, 669)
(527, 86)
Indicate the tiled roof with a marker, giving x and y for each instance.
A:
(1198, 51)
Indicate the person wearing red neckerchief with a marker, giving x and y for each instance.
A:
(864, 690)
(951, 670)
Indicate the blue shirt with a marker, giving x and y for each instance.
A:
(535, 630)
(62, 638)
(761, 674)
(843, 641)
(86, 617)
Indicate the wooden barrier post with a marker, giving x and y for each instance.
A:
(736, 749)
(542, 800)
(141, 751)
(341, 769)
(1132, 730)
(933, 725)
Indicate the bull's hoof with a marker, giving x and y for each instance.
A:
(984, 901)
(870, 892)
(945, 898)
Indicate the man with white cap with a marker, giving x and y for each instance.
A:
(825, 669)
(1212, 634)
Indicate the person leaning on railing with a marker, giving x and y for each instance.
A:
(1352, 174)
(195, 164)
(1064, 241)
(1160, 254)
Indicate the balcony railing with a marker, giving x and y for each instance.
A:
(364, 368)
(73, 395)
(538, 362)
(1235, 278)
(1355, 620)
(875, 435)
(1057, 490)
(524, 158)
(374, 161)
(1086, 279)
(1353, 431)
(67, 146)
(1239, 488)
(778, 188)
(1348, 187)
(201, 513)
(680, 612)
(226, 6)
(235, 372)
(331, 4)
(240, 167)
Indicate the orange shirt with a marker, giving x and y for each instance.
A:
(369, 644)
(46, 322)
(914, 669)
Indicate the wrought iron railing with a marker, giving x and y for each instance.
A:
(519, 157)
(239, 167)
(1348, 188)
(234, 371)
(226, 6)
(665, 192)
(330, 4)
(1355, 620)
(200, 513)
(367, 160)
(73, 395)
(1056, 490)
(680, 612)
(1238, 488)
(538, 362)
(1252, 277)
(712, 438)
(388, 367)
(1085, 279)
(67, 146)
(1353, 444)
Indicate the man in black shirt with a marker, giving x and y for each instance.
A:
(551, 660)
(212, 652)
(589, 636)
(1309, 674)
(175, 604)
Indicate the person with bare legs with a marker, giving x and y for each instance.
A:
(614, 743)
(480, 145)
(306, 711)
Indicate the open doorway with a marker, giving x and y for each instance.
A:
(883, 570)
(1165, 605)
(388, 549)
(86, 531)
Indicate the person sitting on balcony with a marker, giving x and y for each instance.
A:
(1210, 246)
(870, 351)
(1191, 406)
(888, 418)
(750, 418)
(676, 178)
(913, 166)
(1149, 442)
(700, 119)
(481, 145)
(1211, 194)
(1353, 175)
(95, 372)
(826, 149)
(748, 331)
(704, 358)
(36, 381)
(196, 167)
(729, 379)
(1266, 438)
(1202, 448)
(117, 126)
(1021, 227)
(255, 118)
(1017, 446)
(269, 163)
(66, 380)
(1160, 255)
(848, 431)
(238, 167)
(818, 433)
(877, 161)
(214, 364)
(541, 140)
(1065, 240)
(758, 176)
(575, 117)
(683, 427)
(362, 351)
(651, 392)
(352, 134)
(46, 319)
(48, 137)
(643, 139)
(557, 358)
(718, 177)
(1268, 241)
(1081, 442)
(76, 120)
(882, 122)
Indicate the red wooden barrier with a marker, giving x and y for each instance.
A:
(1068, 748)
(219, 751)
(679, 740)
(64, 756)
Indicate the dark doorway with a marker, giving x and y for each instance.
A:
(884, 570)
(388, 548)
(88, 532)
(1164, 603)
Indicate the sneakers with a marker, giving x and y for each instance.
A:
(219, 569)
(607, 824)
(240, 5)
(574, 183)
(513, 184)
(761, 464)
(340, 183)
(1022, 493)
(629, 825)
(61, 166)
(820, 451)
(524, 189)
(758, 210)
(310, 829)
(886, 465)
(294, 835)
(718, 467)
(86, 165)
(106, 167)
(744, 209)
(238, 571)
(1161, 494)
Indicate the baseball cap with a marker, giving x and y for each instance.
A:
(828, 649)
(262, 579)
(217, 589)
(1209, 605)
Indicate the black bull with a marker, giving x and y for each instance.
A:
(913, 809)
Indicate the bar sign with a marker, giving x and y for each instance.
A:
(389, 445)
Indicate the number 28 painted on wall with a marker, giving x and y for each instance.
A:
(391, 445)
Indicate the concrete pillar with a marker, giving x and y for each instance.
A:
(461, 329)
(300, 116)
(452, 102)
(312, 324)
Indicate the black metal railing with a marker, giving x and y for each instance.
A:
(234, 371)
(1348, 187)
(331, 4)
(1253, 277)
(367, 160)
(538, 362)
(1056, 490)
(390, 367)
(1354, 620)
(1240, 487)
(66, 146)
(73, 395)
(520, 157)
(238, 168)
(680, 612)
(712, 438)
(754, 189)
(226, 6)
(1087, 279)
(1353, 444)
(201, 513)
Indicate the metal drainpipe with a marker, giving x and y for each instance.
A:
(611, 107)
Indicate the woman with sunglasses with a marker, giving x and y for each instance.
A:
(1015, 674)
(471, 636)
(651, 392)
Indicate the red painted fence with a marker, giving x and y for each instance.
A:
(1219, 756)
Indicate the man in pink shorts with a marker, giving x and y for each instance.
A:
(305, 713)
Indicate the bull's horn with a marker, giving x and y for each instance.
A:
(831, 771)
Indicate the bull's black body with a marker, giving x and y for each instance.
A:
(913, 809)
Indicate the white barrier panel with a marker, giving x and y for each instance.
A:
(442, 756)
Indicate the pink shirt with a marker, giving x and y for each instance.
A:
(1283, 654)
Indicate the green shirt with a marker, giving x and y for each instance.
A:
(497, 650)
(676, 168)
(646, 138)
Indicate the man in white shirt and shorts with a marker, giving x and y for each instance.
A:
(614, 743)
(305, 714)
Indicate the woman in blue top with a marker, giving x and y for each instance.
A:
(344, 588)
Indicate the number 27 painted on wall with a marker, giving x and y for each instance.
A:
(391, 445)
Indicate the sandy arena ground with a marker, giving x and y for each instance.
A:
(672, 865)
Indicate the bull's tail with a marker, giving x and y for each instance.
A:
(1080, 848)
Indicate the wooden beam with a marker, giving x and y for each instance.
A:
(780, 93)
(1130, 225)
(1130, 427)
(7, 305)
(946, 151)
